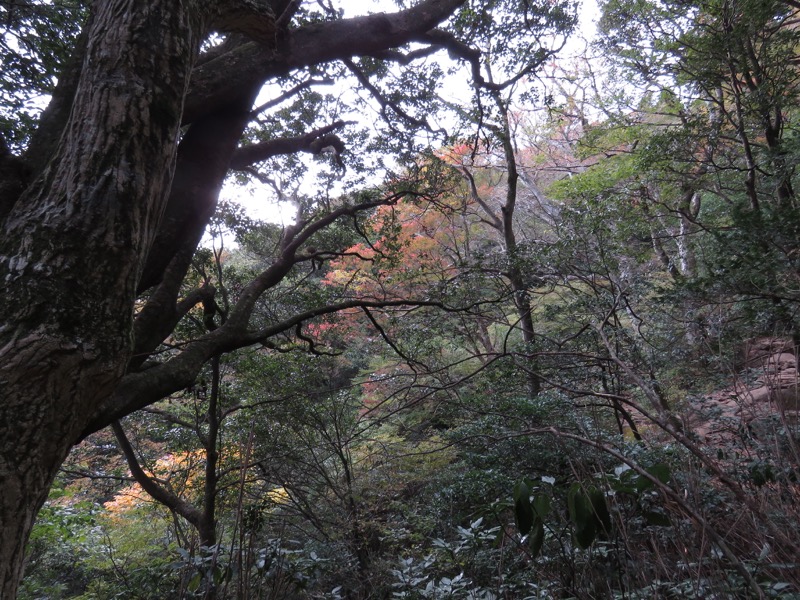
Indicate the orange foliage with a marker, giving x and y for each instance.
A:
(189, 465)
(416, 246)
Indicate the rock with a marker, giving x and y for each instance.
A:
(753, 409)
(778, 380)
(782, 361)
(756, 396)
(757, 351)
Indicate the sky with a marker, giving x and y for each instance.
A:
(259, 201)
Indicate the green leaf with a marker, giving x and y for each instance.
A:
(521, 490)
(581, 515)
(541, 505)
(219, 575)
(579, 511)
(537, 537)
(194, 583)
(585, 534)
(660, 471)
(600, 508)
(624, 485)
(523, 511)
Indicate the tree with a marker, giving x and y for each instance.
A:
(711, 144)
(108, 198)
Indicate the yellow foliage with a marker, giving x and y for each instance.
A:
(185, 470)
(278, 495)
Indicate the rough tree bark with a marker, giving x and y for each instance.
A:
(77, 229)
(73, 247)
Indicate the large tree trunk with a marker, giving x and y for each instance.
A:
(74, 246)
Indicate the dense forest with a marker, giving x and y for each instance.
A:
(531, 330)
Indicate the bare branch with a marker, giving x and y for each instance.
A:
(385, 103)
(150, 485)
(313, 142)
(289, 93)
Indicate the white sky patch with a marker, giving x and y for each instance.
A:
(260, 203)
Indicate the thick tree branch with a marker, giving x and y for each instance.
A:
(15, 175)
(312, 142)
(405, 58)
(54, 118)
(161, 314)
(139, 390)
(294, 237)
(252, 18)
(204, 155)
(288, 12)
(219, 81)
(142, 389)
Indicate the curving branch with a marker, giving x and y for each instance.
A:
(385, 103)
(313, 142)
(151, 485)
(458, 49)
(311, 345)
(291, 92)
(139, 390)
(160, 315)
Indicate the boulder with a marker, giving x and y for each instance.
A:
(781, 361)
(756, 352)
(757, 395)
